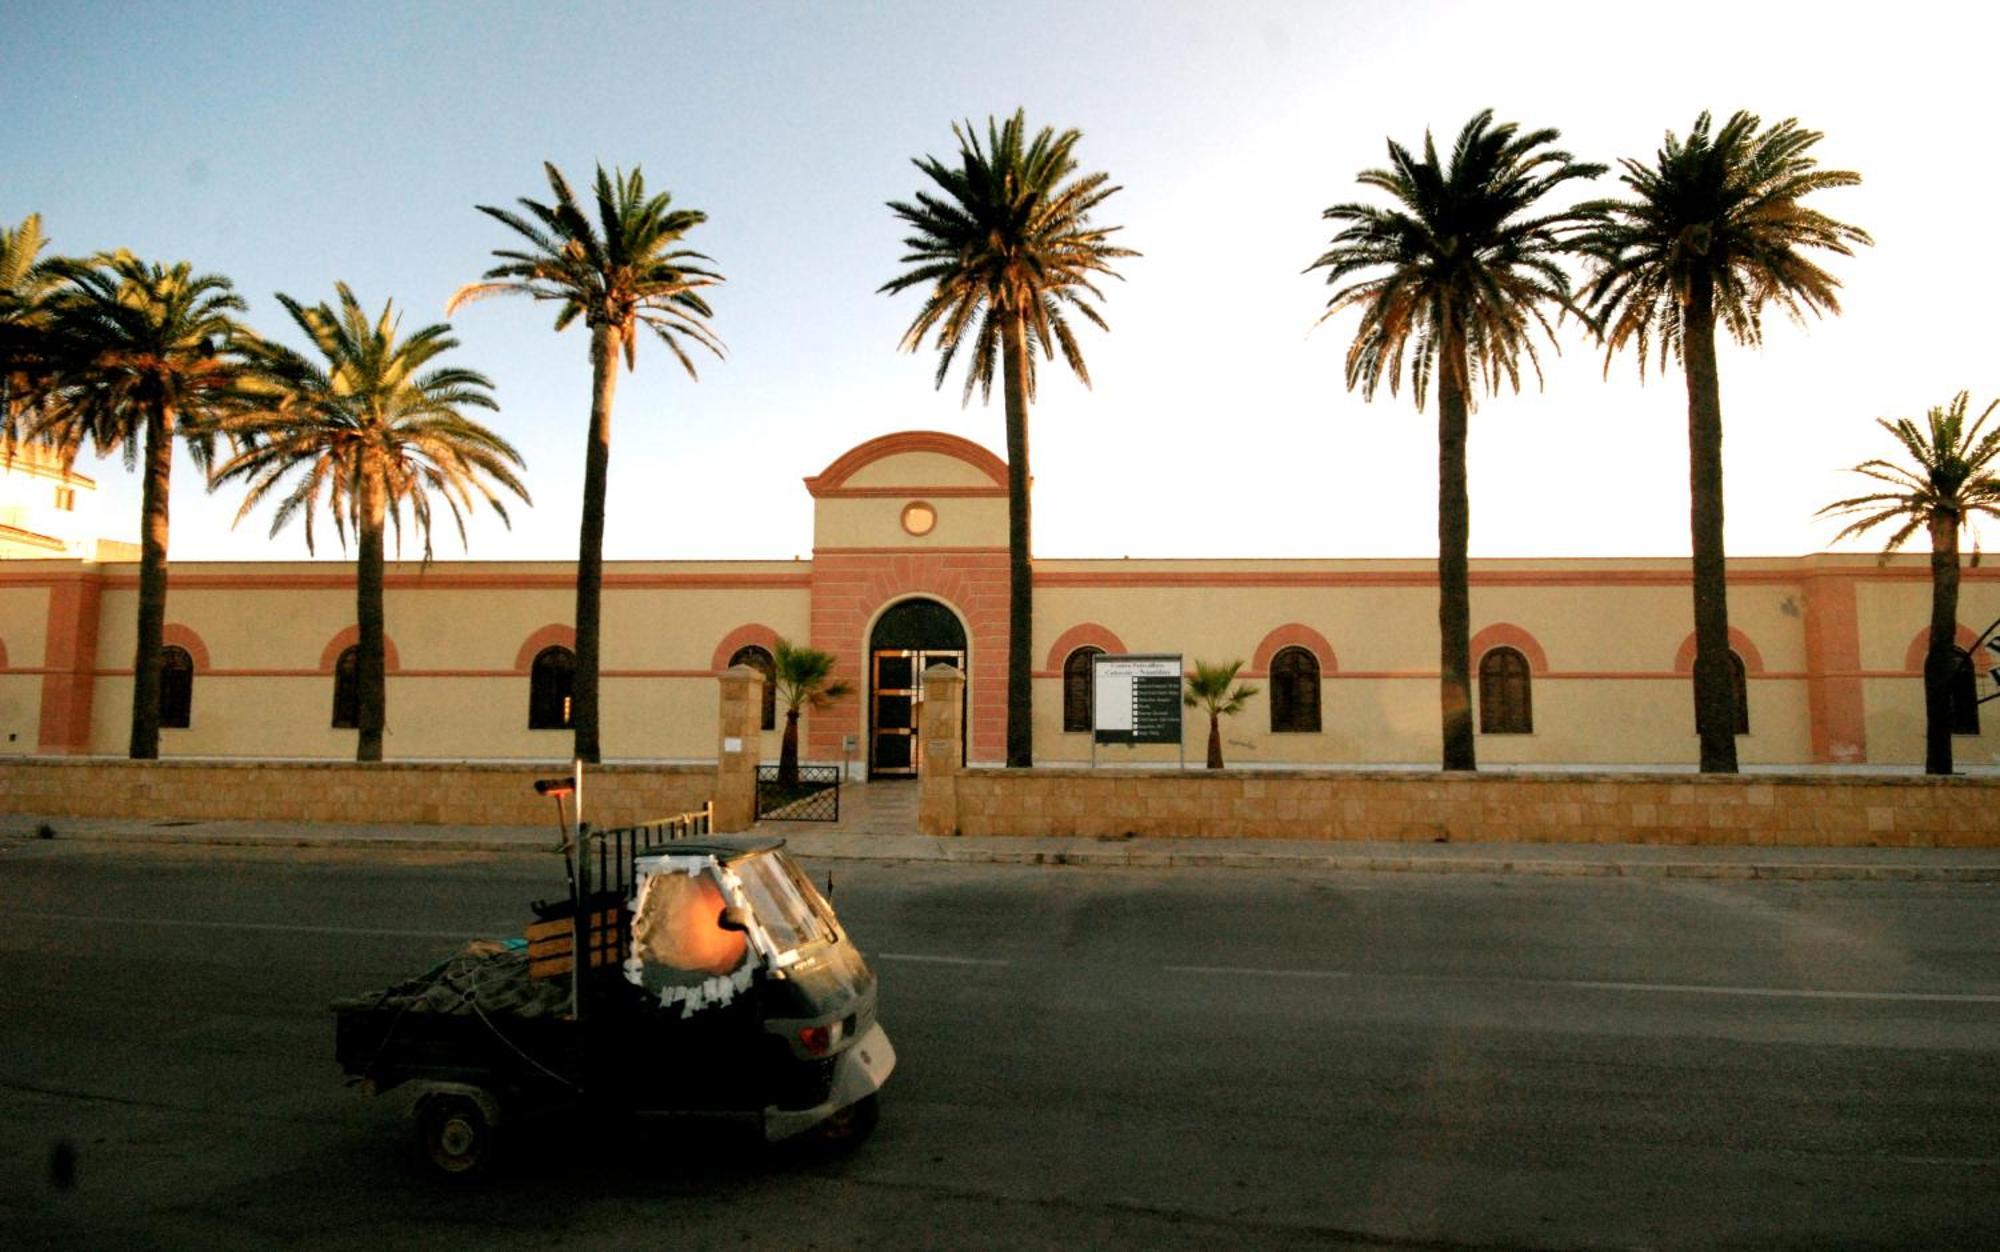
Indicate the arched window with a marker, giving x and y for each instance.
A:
(1077, 707)
(551, 681)
(347, 690)
(1739, 690)
(1964, 696)
(761, 661)
(1738, 693)
(1295, 692)
(1506, 702)
(176, 687)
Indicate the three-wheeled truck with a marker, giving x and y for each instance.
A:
(715, 981)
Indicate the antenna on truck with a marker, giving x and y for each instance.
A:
(560, 788)
(579, 891)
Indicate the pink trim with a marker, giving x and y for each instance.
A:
(553, 635)
(348, 638)
(742, 637)
(1739, 643)
(173, 634)
(1913, 656)
(1508, 635)
(845, 466)
(1086, 634)
(1293, 634)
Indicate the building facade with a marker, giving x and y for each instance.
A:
(1577, 662)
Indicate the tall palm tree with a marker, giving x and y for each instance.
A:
(379, 427)
(1208, 688)
(137, 356)
(802, 676)
(623, 271)
(26, 279)
(1455, 278)
(1714, 229)
(1005, 249)
(1948, 479)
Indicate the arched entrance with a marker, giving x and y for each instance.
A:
(909, 638)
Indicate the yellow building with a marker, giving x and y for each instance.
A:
(1578, 661)
(47, 509)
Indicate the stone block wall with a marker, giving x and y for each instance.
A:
(446, 793)
(1823, 810)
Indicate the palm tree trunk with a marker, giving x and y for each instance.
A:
(155, 483)
(1214, 741)
(370, 678)
(1454, 593)
(1941, 657)
(1020, 570)
(1714, 692)
(604, 347)
(788, 751)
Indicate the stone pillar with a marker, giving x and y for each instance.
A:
(738, 725)
(942, 751)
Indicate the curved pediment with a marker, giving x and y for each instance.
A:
(927, 462)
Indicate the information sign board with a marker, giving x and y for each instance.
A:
(1136, 698)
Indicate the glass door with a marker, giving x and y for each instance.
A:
(892, 722)
(897, 696)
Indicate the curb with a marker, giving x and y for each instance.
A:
(1740, 871)
(420, 843)
(955, 852)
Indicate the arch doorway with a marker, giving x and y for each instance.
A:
(909, 639)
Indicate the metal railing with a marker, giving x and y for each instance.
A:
(813, 797)
(620, 847)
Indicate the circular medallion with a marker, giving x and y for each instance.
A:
(919, 518)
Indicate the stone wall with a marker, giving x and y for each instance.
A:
(448, 794)
(1823, 810)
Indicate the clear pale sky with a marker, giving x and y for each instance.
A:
(293, 146)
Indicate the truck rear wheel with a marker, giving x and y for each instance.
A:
(454, 1137)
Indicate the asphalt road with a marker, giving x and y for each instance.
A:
(1088, 1058)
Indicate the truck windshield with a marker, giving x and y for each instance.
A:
(791, 922)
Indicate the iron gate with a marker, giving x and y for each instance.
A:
(813, 797)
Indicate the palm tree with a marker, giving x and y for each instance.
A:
(26, 279)
(624, 271)
(1455, 277)
(1713, 231)
(1208, 688)
(1005, 253)
(378, 427)
(136, 357)
(801, 675)
(1948, 480)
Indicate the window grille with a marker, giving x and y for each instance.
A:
(763, 662)
(176, 687)
(551, 683)
(1077, 709)
(1294, 692)
(347, 690)
(1739, 695)
(1506, 700)
(1964, 695)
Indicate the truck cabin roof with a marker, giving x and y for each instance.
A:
(724, 850)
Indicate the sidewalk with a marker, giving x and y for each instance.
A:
(1964, 865)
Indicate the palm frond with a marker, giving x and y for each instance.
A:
(1451, 276)
(1004, 236)
(617, 266)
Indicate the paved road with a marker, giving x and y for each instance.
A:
(1089, 1058)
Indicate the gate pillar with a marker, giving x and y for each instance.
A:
(738, 725)
(941, 755)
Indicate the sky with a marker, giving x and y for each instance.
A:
(294, 146)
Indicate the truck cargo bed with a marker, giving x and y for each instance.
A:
(473, 1016)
